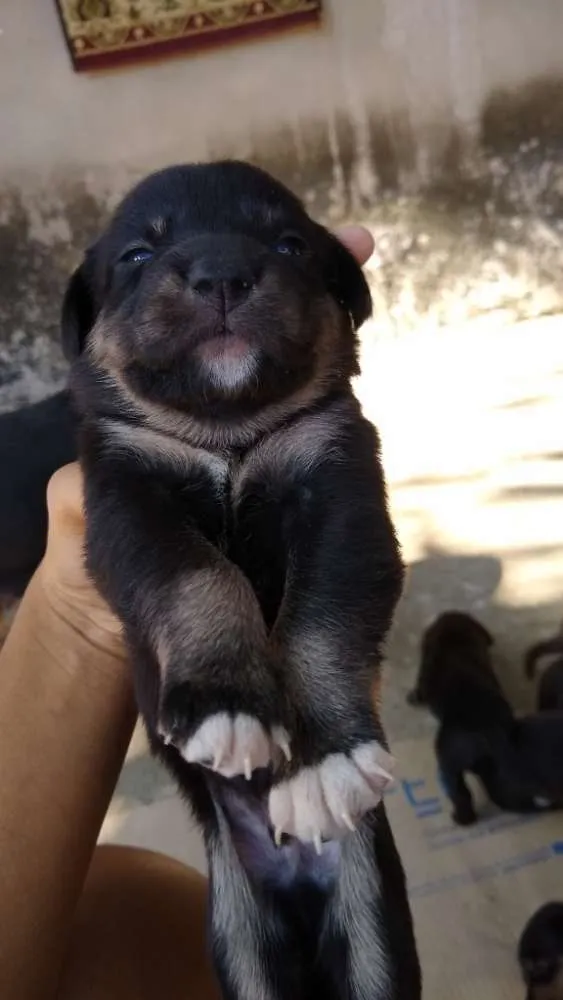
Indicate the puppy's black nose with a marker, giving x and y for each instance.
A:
(224, 285)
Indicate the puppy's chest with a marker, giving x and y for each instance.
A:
(252, 492)
(257, 505)
(244, 503)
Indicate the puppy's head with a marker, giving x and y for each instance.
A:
(213, 287)
(455, 628)
(540, 953)
(452, 633)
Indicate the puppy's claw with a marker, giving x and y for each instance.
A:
(230, 745)
(385, 774)
(317, 841)
(348, 821)
(278, 834)
(281, 739)
(164, 735)
(325, 797)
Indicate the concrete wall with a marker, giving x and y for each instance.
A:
(380, 92)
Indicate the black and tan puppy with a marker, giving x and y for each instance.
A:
(540, 953)
(515, 760)
(550, 684)
(237, 523)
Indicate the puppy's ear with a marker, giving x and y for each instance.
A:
(79, 310)
(347, 282)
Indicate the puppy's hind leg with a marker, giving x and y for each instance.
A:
(251, 953)
(367, 943)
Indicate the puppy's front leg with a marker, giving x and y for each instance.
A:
(191, 618)
(344, 577)
(454, 782)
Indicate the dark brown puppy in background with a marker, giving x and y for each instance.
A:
(516, 760)
(237, 523)
(540, 953)
(457, 682)
(550, 684)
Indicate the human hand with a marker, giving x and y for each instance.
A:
(61, 583)
(358, 240)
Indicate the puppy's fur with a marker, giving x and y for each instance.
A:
(516, 760)
(550, 684)
(35, 441)
(237, 523)
(540, 953)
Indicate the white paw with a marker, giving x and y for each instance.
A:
(326, 801)
(235, 744)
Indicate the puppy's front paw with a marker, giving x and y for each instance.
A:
(226, 716)
(235, 744)
(325, 801)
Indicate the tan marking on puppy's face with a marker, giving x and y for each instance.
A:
(237, 432)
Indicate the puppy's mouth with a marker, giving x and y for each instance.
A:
(228, 362)
(224, 346)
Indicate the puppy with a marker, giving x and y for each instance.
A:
(478, 732)
(455, 644)
(35, 441)
(237, 523)
(550, 686)
(540, 953)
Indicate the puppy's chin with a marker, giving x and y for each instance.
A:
(228, 364)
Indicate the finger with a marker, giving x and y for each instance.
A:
(65, 499)
(358, 240)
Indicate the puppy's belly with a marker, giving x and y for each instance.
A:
(281, 868)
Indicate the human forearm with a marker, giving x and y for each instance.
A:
(66, 716)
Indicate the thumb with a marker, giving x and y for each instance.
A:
(65, 501)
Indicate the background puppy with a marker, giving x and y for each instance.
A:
(550, 685)
(535, 756)
(477, 731)
(237, 523)
(540, 953)
(34, 442)
(455, 645)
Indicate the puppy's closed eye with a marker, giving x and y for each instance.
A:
(137, 255)
(291, 245)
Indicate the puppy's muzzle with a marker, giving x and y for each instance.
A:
(224, 272)
(223, 285)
